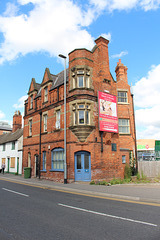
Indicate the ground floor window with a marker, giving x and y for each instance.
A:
(44, 160)
(57, 159)
(123, 158)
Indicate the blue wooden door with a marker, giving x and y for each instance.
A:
(82, 166)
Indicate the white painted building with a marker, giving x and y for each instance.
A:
(11, 150)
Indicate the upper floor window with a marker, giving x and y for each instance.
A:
(81, 78)
(13, 145)
(30, 127)
(45, 94)
(4, 147)
(45, 122)
(58, 119)
(81, 114)
(122, 97)
(31, 102)
(124, 127)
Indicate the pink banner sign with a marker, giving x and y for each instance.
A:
(108, 120)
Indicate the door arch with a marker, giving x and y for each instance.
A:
(82, 161)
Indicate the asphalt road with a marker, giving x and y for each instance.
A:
(33, 213)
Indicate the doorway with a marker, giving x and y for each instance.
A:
(82, 166)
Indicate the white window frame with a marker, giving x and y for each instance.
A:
(30, 127)
(78, 77)
(76, 113)
(124, 123)
(31, 103)
(45, 94)
(45, 122)
(123, 158)
(58, 119)
(122, 97)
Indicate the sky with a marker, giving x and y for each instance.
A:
(34, 32)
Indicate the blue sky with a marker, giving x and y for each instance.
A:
(34, 32)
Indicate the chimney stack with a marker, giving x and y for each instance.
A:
(121, 72)
(17, 121)
(103, 57)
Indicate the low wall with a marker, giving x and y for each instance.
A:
(149, 168)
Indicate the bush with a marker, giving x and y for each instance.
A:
(127, 172)
(92, 182)
(138, 176)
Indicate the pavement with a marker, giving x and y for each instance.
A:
(144, 193)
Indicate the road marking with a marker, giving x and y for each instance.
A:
(53, 188)
(108, 215)
(22, 194)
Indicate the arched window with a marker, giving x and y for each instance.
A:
(44, 160)
(29, 159)
(57, 159)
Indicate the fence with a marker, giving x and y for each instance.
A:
(149, 168)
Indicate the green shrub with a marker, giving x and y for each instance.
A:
(127, 172)
(138, 176)
(103, 183)
(143, 177)
(92, 182)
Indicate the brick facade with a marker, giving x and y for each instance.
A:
(87, 74)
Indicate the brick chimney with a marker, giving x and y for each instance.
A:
(17, 121)
(121, 72)
(103, 57)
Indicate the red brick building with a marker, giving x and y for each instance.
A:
(90, 154)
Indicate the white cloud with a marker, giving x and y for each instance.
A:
(147, 89)
(112, 5)
(119, 55)
(20, 103)
(2, 115)
(147, 99)
(55, 26)
(107, 36)
(52, 26)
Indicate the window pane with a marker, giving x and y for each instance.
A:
(86, 161)
(81, 117)
(58, 159)
(87, 117)
(122, 96)
(87, 82)
(78, 161)
(123, 159)
(81, 106)
(124, 126)
(80, 81)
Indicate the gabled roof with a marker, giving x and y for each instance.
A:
(60, 79)
(34, 86)
(10, 137)
(57, 80)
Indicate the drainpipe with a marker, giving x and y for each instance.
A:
(39, 164)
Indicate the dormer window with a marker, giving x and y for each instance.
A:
(45, 94)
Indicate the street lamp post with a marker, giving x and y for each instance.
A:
(65, 162)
